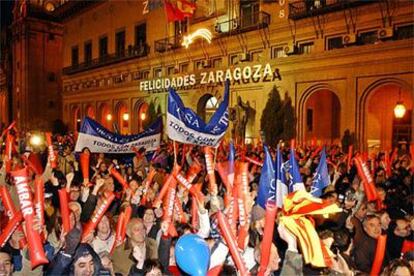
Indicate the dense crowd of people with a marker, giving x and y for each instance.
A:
(121, 221)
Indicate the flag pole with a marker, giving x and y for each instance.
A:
(175, 152)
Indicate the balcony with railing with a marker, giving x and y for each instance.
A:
(308, 8)
(131, 52)
(168, 44)
(243, 24)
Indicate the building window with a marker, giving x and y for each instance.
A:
(279, 52)
(141, 35)
(309, 119)
(198, 64)
(157, 72)
(75, 55)
(88, 52)
(210, 108)
(306, 48)
(217, 62)
(103, 47)
(370, 37)
(256, 56)
(180, 28)
(145, 74)
(335, 43)
(405, 32)
(234, 59)
(170, 70)
(184, 67)
(249, 13)
(120, 43)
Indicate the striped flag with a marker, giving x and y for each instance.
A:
(295, 181)
(267, 180)
(321, 178)
(281, 187)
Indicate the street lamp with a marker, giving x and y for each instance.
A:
(109, 117)
(399, 109)
(35, 140)
(125, 116)
(143, 116)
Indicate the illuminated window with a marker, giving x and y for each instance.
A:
(211, 107)
(278, 52)
(49, 7)
(306, 48)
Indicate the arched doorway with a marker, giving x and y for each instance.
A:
(206, 107)
(321, 116)
(90, 111)
(76, 118)
(382, 129)
(105, 116)
(141, 116)
(122, 118)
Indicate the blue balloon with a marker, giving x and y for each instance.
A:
(192, 254)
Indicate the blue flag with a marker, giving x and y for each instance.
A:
(267, 180)
(295, 181)
(281, 187)
(321, 178)
(232, 157)
(185, 126)
(97, 138)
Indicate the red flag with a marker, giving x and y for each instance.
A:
(179, 11)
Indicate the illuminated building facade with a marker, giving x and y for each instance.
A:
(344, 64)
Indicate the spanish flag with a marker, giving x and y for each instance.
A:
(178, 10)
(297, 209)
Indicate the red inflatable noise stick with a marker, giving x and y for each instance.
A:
(39, 200)
(271, 210)
(367, 180)
(11, 211)
(97, 216)
(147, 184)
(37, 166)
(10, 228)
(210, 171)
(193, 171)
(64, 209)
(121, 225)
(51, 151)
(169, 181)
(35, 246)
(231, 243)
(84, 162)
(119, 178)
